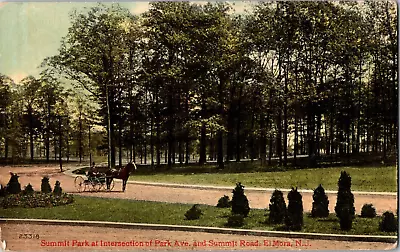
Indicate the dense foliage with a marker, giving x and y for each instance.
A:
(344, 208)
(13, 186)
(320, 205)
(388, 222)
(368, 211)
(186, 78)
(277, 208)
(294, 213)
(224, 202)
(57, 188)
(45, 186)
(35, 199)
(193, 213)
(240, 203)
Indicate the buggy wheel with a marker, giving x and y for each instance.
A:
(80, 184)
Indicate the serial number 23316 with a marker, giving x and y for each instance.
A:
(28, 236)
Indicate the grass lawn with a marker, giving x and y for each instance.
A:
(117, 210)
(377, 179)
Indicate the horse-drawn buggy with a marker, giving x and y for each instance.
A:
(104, 181)
(92, 183)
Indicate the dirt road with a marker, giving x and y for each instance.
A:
(33, 175)
(57, 238)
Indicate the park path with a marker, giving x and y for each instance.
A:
(257, 199)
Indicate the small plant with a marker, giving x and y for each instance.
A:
(277, 208)
(320, 203)
(235, 220)
(388, 223)
(224, 202)
(240, 204)
(193, 213)
(57, 188)
(13, 186)
(28, 190)
(45, 187)
(368, 211)
(294, 213)
(3, 191)
(344, 208)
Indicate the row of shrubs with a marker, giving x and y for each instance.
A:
(12, 195)
(292, 214)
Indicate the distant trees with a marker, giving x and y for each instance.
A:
(184, 80)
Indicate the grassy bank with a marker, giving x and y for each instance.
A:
(96, 209)
(378, 179)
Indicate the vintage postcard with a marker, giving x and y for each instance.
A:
(237, 125)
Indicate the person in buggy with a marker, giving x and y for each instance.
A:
(93, 171)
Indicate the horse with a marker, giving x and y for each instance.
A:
(120, 174)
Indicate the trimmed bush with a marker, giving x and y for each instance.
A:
(344, 208)
(224, 202)
(344, 182)
(13, 186)
(45, 186)
(368, 211)
(193, 213)
(57, 188)
(320, 205)
(294, 213)
(235, 220)
(388, 223)
(35, 199)
(28, 190)
(2, 191)
(240, 204)
(277, 208)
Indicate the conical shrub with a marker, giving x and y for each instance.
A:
(13, 186)
(344, 208)
(45, 186)
(320, 205)
(294, 213)
(277, 208)
(240, 204)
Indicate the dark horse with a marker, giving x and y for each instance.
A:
(120, 174)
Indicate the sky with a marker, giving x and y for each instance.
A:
(32, 31)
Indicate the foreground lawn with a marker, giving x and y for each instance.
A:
(377, 179)
(116, 210)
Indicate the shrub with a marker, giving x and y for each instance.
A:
(344, 208)
(45, 187)
(13, 186)
(2, 191)
(368, 211)
(224, 202)
(294, 213)
(36, 199)
(235, 220)
(388, 222)
(57, 188)
(28, 190)
(193, 213)
(344, 182)
(240, 204)
(277, 208)
(320, 205)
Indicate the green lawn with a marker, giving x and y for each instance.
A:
(116, 210)
(377, 179)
